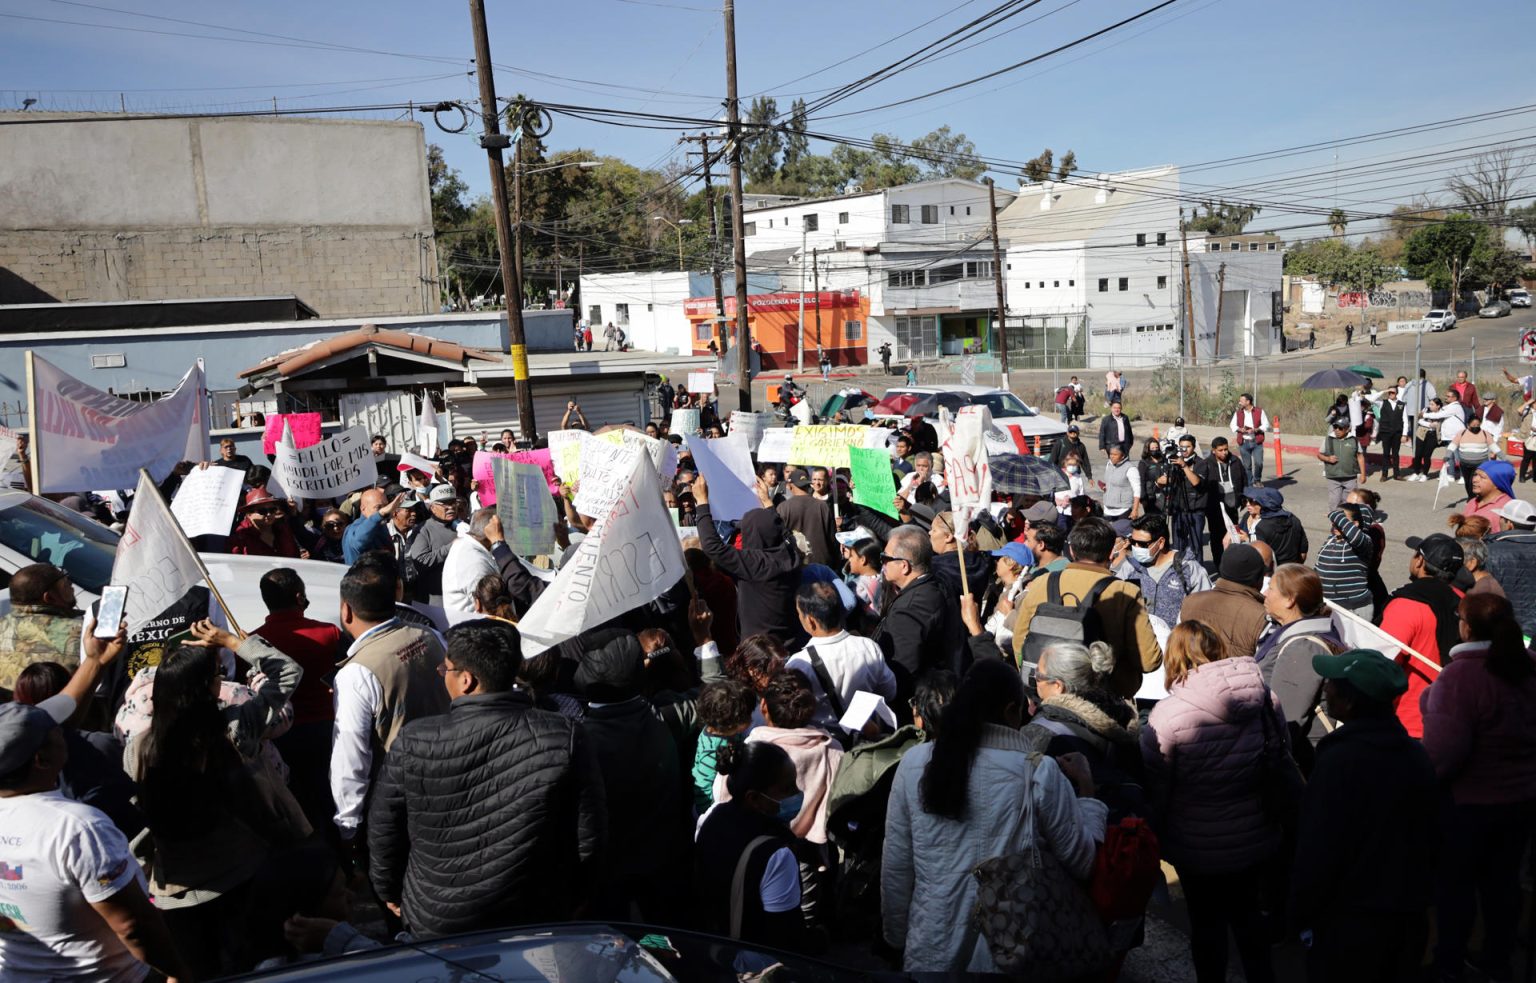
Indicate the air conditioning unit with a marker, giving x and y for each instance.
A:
(853, 189)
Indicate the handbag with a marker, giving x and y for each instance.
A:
(1280, 781)
(1037, 918)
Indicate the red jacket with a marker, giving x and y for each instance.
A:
(246, 540)
(1413, 622)
(317, 647)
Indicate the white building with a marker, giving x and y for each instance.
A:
(945, 210)
(649, 306)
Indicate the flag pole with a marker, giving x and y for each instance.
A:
(1412, 653)
(213, 587)
(34, 446)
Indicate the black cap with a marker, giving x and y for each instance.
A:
(1440, 552)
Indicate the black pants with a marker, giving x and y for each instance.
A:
(1217, 902)
(1215, 528)
(1528, 465)
(1391, 462)
(1423, 454)
(306, 749)
(1480, 862)
(1355, 946)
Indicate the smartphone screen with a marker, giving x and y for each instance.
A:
(109, 614)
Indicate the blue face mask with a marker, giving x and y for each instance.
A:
(790, 808)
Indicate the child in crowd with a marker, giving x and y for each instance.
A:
(725, 709)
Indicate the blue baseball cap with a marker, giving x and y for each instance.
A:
(1018, 553)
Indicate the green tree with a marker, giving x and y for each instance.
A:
(1524, 219)
(1221, 218)
(1338, 221)
(1494, 266)
(796, 146)
(947, 154)
(761, 145)
(1338, 264)
(1037, 169)
(1440, 253)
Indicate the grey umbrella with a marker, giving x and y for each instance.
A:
(1333, 379)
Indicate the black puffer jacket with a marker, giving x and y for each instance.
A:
(489, 815)
(921, 630)
(766, 565)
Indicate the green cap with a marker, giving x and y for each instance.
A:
(1367, 670)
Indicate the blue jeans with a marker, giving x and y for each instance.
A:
(1252, 454)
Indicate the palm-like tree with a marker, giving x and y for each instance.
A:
(1338, 221)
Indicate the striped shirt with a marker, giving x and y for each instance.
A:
(1344, 562)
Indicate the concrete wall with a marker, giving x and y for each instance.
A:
(654, 305)
(117, 208)
(962, 211)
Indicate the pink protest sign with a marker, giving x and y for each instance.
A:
(306, 430)
(485, 481)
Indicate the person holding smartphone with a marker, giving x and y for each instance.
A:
(572, 407)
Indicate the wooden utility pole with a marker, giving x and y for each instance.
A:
(739, 243)
(1221, 287)
(1189, 300)
(494, 142)
(721, 334)
(997, 278)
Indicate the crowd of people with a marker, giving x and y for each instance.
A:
(962, 740)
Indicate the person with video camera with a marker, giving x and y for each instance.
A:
(1184, 493)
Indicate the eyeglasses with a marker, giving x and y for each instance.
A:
(267, 512)
(443, 669)
(888, 558)
(335, 524)
(1142, 542)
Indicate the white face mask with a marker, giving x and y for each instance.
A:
(1141, 554)
(1073, 469)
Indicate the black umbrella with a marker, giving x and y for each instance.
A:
(1026, 474)
(1333, 379)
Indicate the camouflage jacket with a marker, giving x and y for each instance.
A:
(38, 633)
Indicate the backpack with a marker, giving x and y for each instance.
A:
(1126, 871)
(1057, 621)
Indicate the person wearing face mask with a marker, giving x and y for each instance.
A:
(1072, 443)
(1166, 575)
(748, 834)
(1471, 447)
(1229, 480)
(1186, 484)
(264, 528)
(1077, 481)
(1151, 467)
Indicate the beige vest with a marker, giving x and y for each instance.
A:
(404, 659)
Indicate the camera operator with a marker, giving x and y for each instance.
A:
(1153, 463)
(1185, 493)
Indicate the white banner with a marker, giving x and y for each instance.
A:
(967, 469)
(750, 426)
(85, 439)
(774, 447)
(525, 507)
(701, 382)
(335, 466)
(427, 434)
(604, 469)
(206, 501)
(154, 560)
(628, 559)
(726, 466)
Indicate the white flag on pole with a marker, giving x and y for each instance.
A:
(426, 427)
(631, 557)
(84, 438)
(155, 562)
(967, 468)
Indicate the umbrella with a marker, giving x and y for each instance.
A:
(1368, 370)
(896, 404)
(931, 404)
(1026, 474)
(1333, 379)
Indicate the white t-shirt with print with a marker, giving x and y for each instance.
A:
(57, 857)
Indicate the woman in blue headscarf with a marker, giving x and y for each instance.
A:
(1493, 484)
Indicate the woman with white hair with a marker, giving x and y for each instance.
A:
(1078, 712)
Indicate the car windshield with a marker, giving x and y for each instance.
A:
(48, 533)
(1435, 314)
(1002, 404)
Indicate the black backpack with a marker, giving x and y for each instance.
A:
(1057, 621)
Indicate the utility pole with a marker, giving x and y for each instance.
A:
(1221, 289)
(494, 141)
(714, 239)
(816, 287)
(997, 278)
(739, 244)
(800, 331)
(1189, 300)
(559, 274)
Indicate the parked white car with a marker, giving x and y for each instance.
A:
(1440, 320)
(35, 530)
(1007, 411)
(1519, 298)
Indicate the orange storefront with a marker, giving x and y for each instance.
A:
(774, 323)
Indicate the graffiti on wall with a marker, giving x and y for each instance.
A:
(1386, 298)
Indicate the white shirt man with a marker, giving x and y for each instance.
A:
(851, 662)
(922, 470)
(469, 561)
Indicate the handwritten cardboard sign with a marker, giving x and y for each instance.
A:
(825, 447)
(206, 501)
(775, 444)
(525, 506)
(750, 426)
(873, 485)
(333, 467)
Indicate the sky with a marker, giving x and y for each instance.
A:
(1196, 82)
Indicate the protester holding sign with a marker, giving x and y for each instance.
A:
(766, 568)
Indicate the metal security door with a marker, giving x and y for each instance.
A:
(391, 414)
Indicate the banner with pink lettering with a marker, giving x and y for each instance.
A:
(86, 440)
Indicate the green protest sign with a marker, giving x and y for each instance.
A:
(873, 485)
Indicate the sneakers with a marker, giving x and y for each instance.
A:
(1418, 477)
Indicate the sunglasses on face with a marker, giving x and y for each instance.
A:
(267, 512)
(334, 524)
(888, 558)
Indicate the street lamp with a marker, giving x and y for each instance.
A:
(679, 227)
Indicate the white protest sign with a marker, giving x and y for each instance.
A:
(86, 438)
(802, 412)
(605, 467)
(774, 447)
(565, 451)
(630, 558)
(750, 426)
(154, 560)
(967, 470)
(335, 466)
(525, 507)
(685, 423)
(663, 453)
(413, 462)
(878, 438)
(701, 382)
(726, 466)
(10, 462)
(206, 501)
